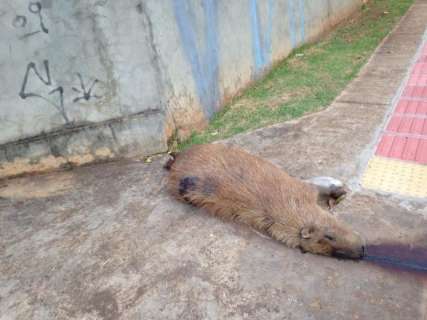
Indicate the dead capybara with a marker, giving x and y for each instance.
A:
(233, 184)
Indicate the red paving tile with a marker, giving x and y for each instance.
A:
(402, 105)
(422, 107)
(418, 125)
(397, 148)
(405, 125)
(405, 137)
(410, 151)
(412, 107)
(394, 123)
(419, 92)
(417, 107)
(403, 148)
(418, 79)
(385, 145)
(420, 68)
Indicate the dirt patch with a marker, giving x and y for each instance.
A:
(103, 304)
(42, 187)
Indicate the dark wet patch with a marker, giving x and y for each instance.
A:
(104, 304)
(274, 132)
(187, 184)
(139, 8)
(398, 257)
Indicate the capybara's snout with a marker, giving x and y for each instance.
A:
(354, 254)
(353, 248)
(334, 238)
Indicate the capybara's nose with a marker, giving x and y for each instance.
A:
(363, 251)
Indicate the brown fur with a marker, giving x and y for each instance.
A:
(233, 184)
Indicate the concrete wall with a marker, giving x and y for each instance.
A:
(87, 80)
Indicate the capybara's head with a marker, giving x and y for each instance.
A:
(333, 239)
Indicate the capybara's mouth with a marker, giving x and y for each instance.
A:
(349, 255)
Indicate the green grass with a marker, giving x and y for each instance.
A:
(310, 78)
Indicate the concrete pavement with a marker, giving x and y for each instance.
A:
(107, 242)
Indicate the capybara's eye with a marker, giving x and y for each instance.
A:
(329, 237)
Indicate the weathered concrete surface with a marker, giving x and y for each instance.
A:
(107, 242)
(88, 80)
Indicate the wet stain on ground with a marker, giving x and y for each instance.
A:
(104, 304)
(398, 257)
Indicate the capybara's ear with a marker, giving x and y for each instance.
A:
(307, 232)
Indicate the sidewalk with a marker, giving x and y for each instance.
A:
(107, 242)
(400, 161)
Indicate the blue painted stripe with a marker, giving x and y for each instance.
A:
(267, 40)
(302, 19)
(292, 23)
(256, 43)
(296, 33)
(210, 59)
(204, 66)
(261, 40)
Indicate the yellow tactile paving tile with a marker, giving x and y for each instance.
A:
(396, 176)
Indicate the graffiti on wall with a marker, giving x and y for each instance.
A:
(47, 81)
(85, 93)
(55, 94)
(41, 75)
(34, 9)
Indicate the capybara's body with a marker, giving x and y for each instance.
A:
(233, 184)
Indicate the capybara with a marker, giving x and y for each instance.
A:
(233, 184)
